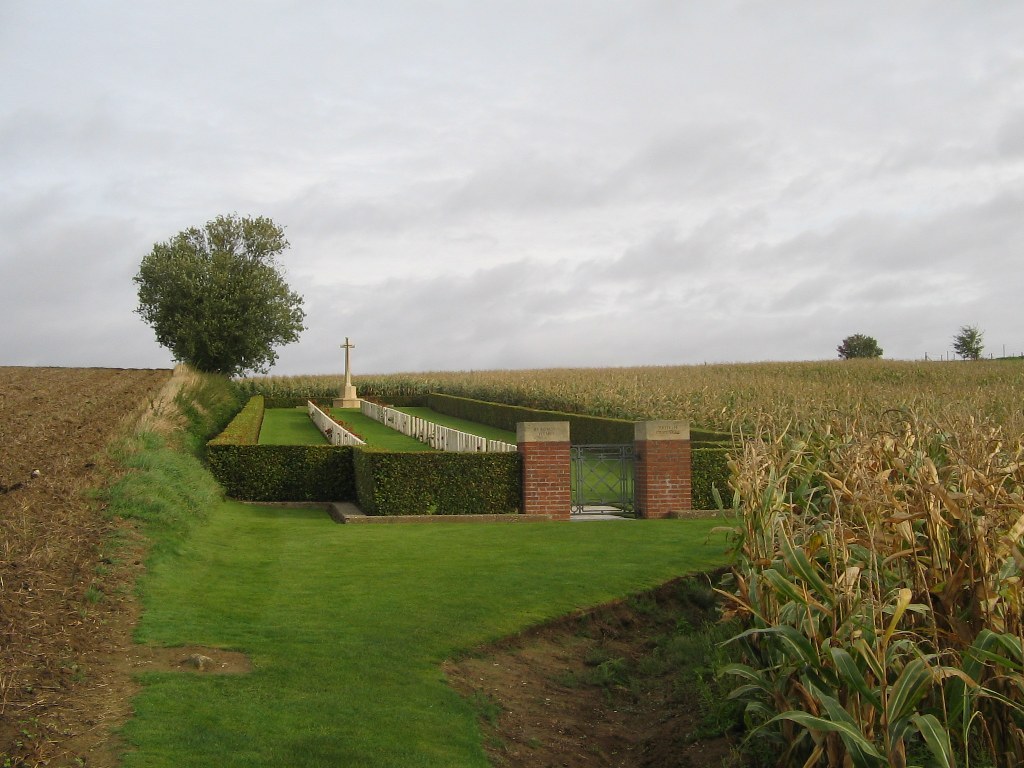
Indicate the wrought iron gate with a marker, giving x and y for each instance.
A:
(602, 479)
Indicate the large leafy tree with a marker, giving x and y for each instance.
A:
(968, 342)
(859, 345)
(216, 298)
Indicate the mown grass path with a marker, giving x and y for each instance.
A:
(292, 426)
(347, 627)
(289, 426)
(376, 434)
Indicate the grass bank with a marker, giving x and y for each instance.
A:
(347, 627)
(166, 487)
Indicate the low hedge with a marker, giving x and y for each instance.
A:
(385, 483)
(253, 472)
(244, 429)
(294, 401)
(395, 401)
(287, 401)
(438, 483)
(284, 472)
(710, 470)
(583, 430)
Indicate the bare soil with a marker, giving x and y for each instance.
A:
(576, 692)
(66, 598)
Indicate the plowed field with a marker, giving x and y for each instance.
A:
(62, 597)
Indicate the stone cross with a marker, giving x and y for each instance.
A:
(348, 371)
(349, 398)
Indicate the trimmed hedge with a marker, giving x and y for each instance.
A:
(395, 401)
(287, 401)
(254, 472)
(438, 483)
(710, 469)
(583, 430)
(294, 401)
(244, 429)
(385, 483)
(284, 472)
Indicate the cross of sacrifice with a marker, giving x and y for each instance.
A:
(348, 371)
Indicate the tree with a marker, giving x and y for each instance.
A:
(215, 298)
(859, 345)
(968, 342)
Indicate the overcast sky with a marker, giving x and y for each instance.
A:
(473, 184)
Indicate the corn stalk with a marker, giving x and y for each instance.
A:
(880, 573)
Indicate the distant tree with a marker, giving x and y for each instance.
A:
(859, 345)
(968, 342)
(215, 297)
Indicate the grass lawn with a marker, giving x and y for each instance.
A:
(347, 627)
(376, 434)
(469, 427)
(292, 426)
(289, 426)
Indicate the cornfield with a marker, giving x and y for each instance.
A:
(879, 570)
(877, 522)
(712, 396)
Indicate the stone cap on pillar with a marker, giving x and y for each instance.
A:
(542, 432)
(661, 430)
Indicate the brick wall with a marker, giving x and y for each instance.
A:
(544, 447)
(662, 477)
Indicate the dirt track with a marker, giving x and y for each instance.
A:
(547, 711)
(60, 604)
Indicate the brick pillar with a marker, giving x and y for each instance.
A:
(661, 481)
(544, 446)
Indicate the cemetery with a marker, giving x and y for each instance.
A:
(345, 628)
(445, 455)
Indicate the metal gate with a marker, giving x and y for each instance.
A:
(602, 479)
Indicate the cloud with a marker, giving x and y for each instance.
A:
(523, 183)
(1009, 138)
(697, 159)
(528, 185)
(63, 307)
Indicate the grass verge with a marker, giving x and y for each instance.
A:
(166, 487)
(347, 627)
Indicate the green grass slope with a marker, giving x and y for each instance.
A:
(347, 627)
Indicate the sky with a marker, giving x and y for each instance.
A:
(480, 184)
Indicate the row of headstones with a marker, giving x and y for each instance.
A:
(436, 436)
(329, 428)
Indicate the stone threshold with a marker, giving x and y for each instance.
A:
(347, 512)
